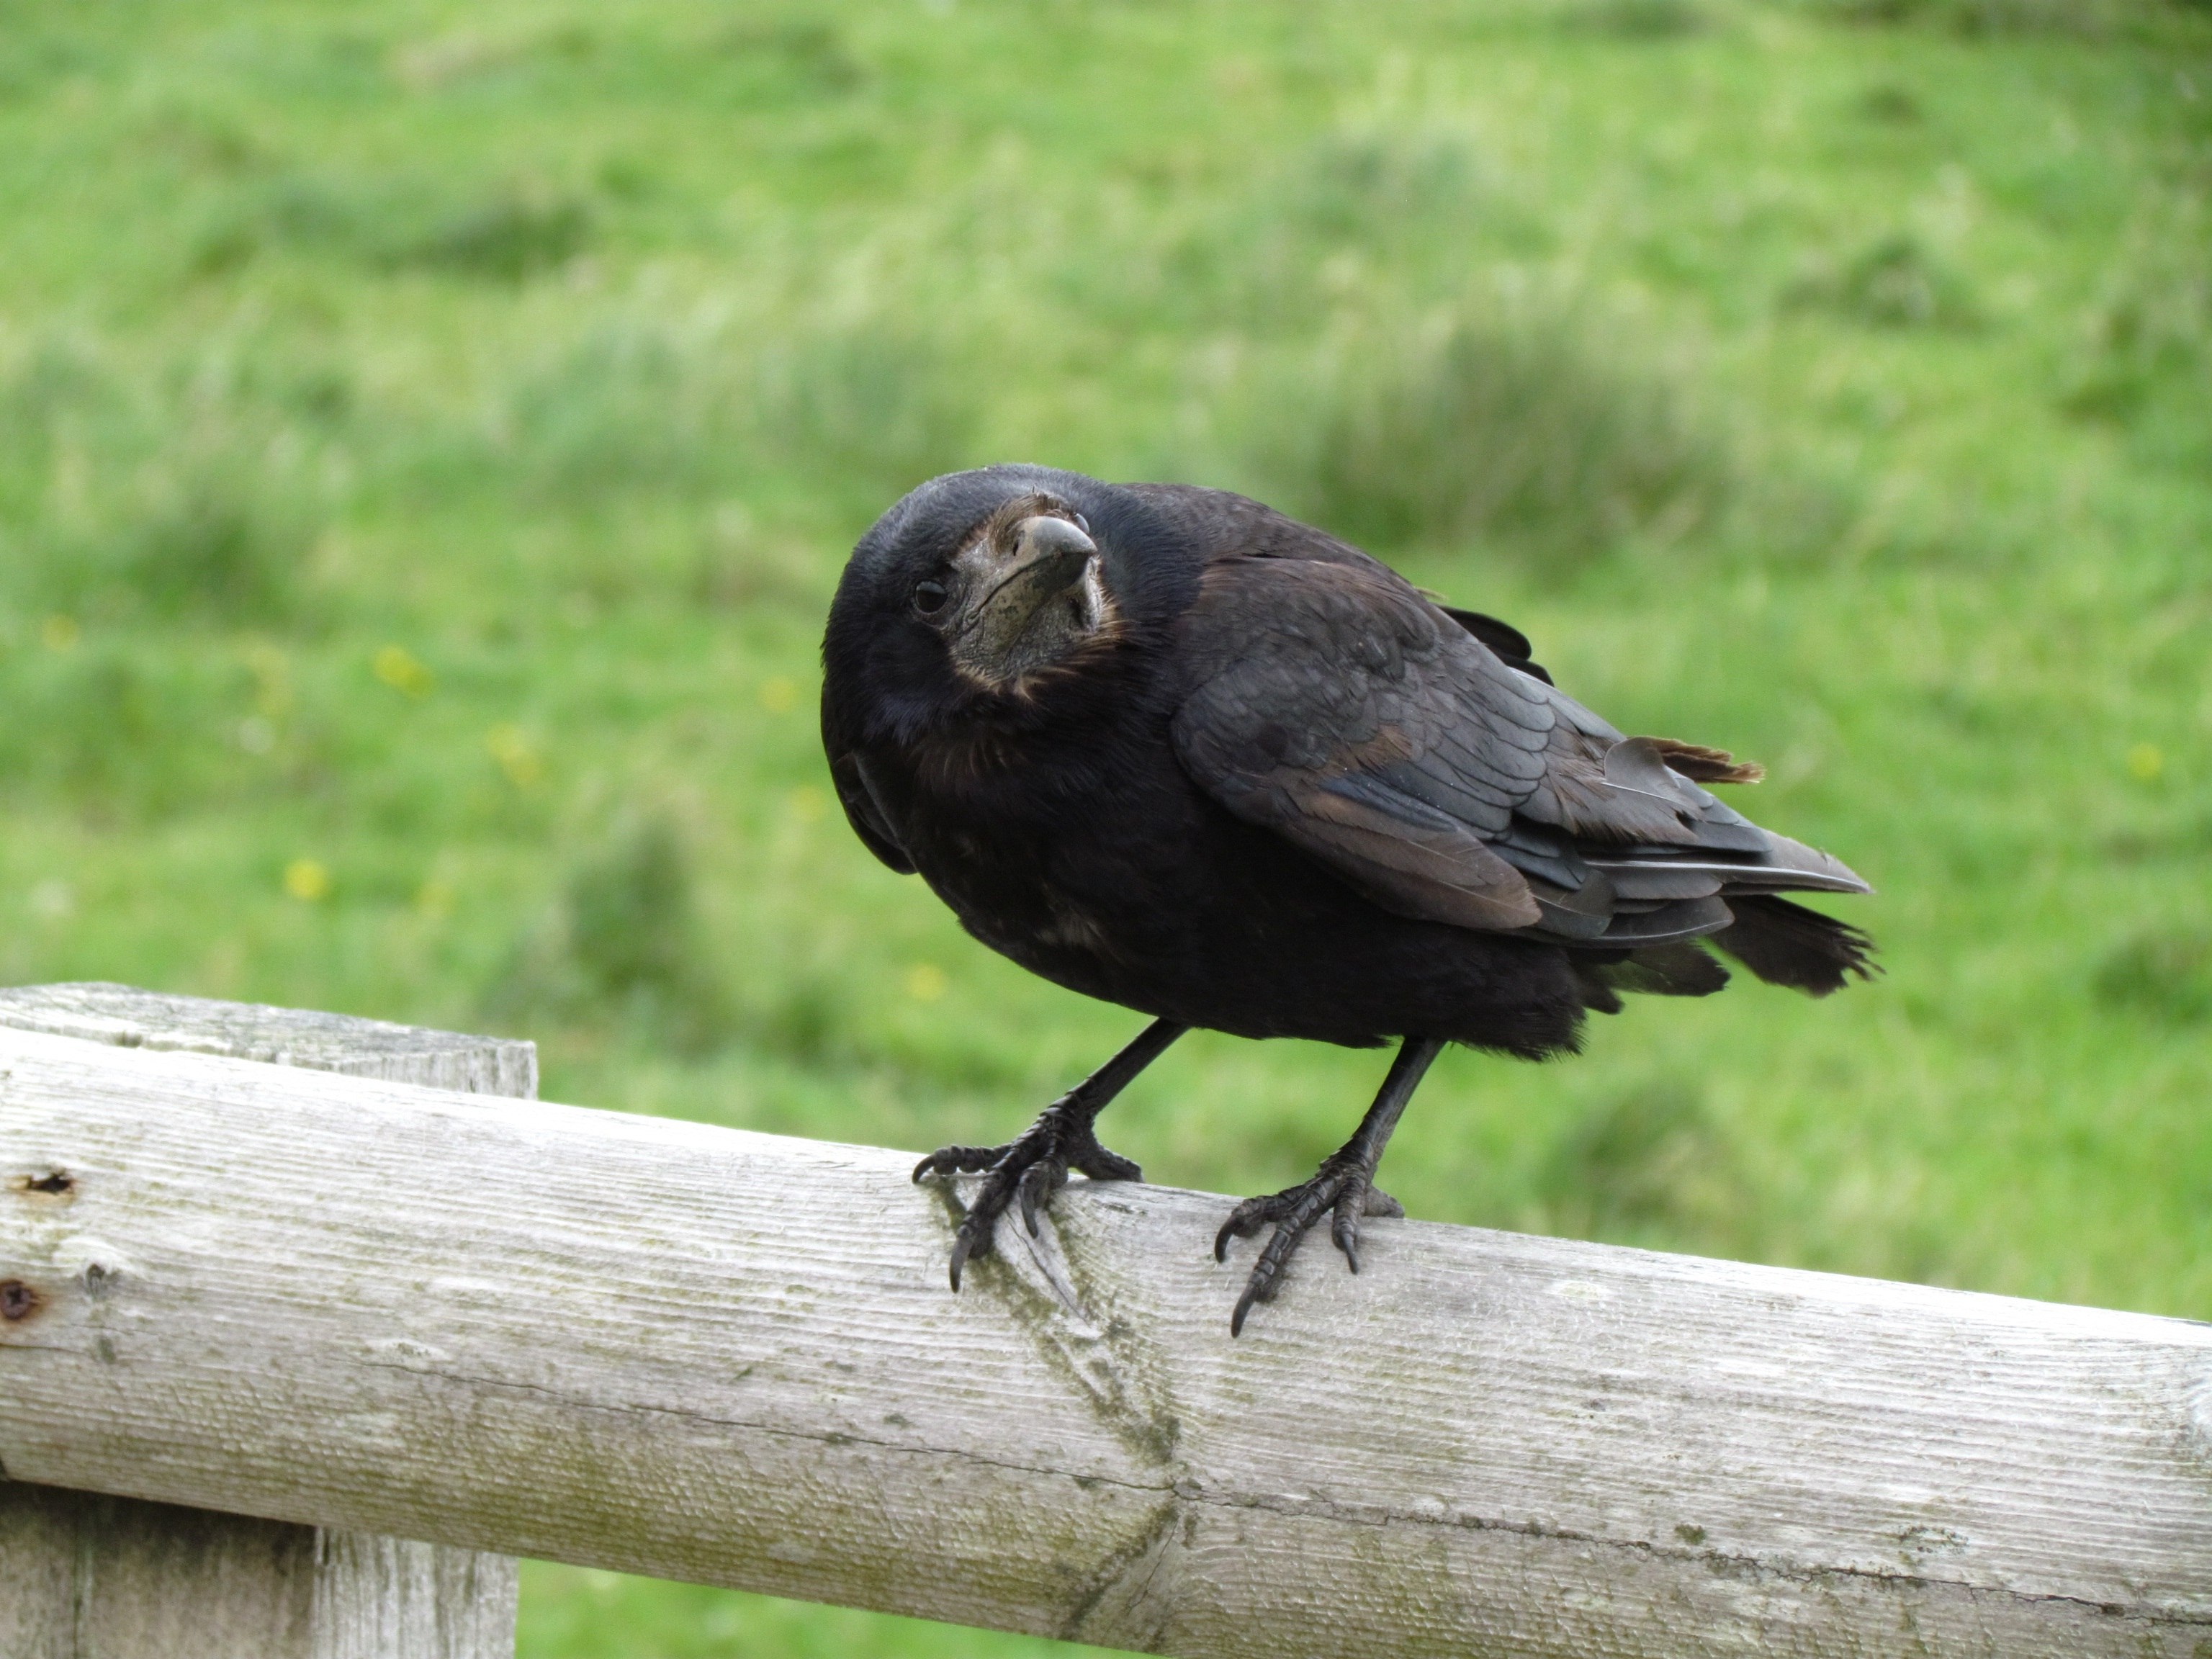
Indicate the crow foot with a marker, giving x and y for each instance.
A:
(1026, 1171)
(1345, 1187)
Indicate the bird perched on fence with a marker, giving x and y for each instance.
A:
(1167, 747)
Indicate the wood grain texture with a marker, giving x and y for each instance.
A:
(699, 1353)
(345, 1043)
(94, 1578)
(84, 1576)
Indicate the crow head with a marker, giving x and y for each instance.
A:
(985, 593)
(1025, 595)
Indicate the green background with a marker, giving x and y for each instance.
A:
(430, 434)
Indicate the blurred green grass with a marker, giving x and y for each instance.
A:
(429, 435)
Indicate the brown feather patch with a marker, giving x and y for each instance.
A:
(1703, 765)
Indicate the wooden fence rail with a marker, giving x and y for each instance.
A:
(700, 1353)
(87, 1577)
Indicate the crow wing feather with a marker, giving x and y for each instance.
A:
(1330, 706)
(848, 775)
(1333, 704)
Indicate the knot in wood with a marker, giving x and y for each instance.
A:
(18, 1301)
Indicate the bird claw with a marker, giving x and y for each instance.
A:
(1038, 1183)
(1024, 1174)
(1350, 1193)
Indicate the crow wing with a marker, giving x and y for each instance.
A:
(848, 773)
(1333, 704)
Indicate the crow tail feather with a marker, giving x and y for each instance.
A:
(1786, 944)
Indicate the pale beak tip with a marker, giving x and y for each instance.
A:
(1046, 533)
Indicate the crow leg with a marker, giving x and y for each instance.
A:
(1344, 1185)
(1030, 1170)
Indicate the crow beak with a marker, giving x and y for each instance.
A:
(1050, 556)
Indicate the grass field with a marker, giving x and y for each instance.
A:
(430, 434)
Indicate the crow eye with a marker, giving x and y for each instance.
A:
(929, 597)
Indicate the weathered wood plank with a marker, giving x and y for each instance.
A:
(87, 1577)
(698, 1353)
(128, 1017)
(84, 1577)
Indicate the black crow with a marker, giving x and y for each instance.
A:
(1167, 747)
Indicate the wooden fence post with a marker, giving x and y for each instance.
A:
(723, 1356)
(86, 1577)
